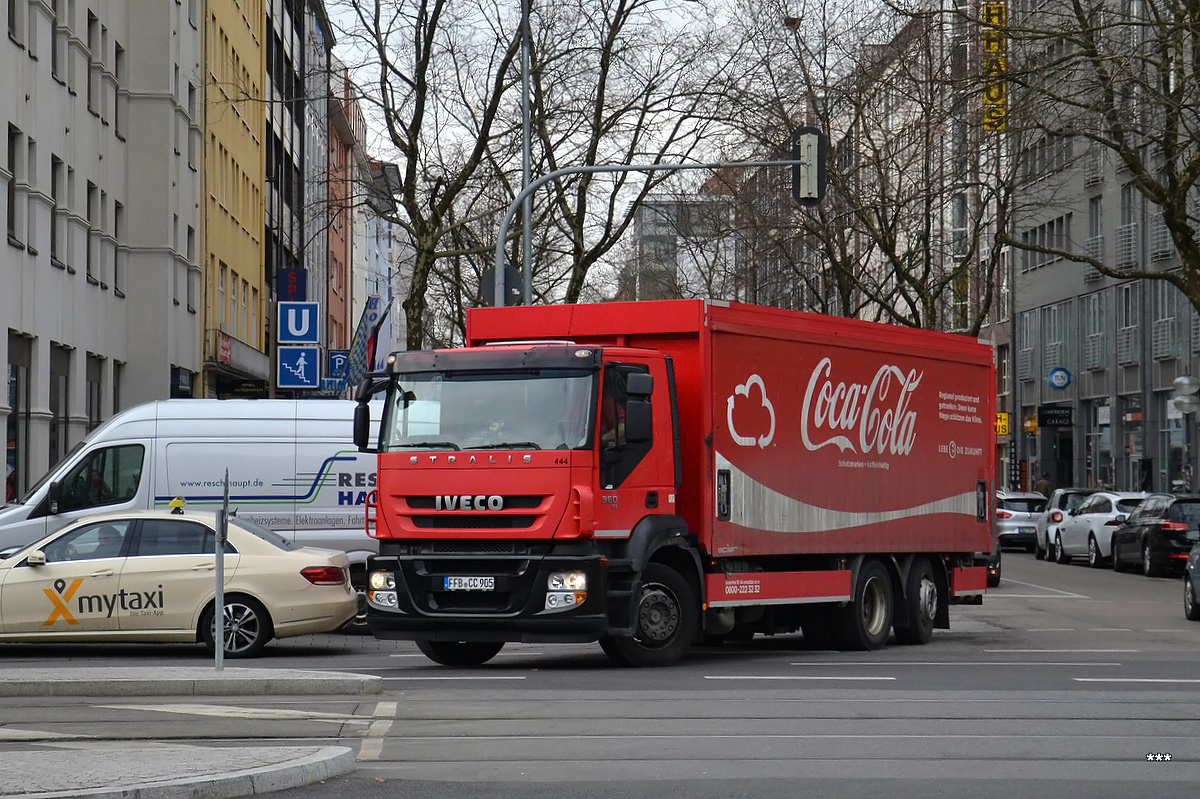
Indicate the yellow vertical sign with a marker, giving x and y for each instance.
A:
(994, 66)
(1001, 423)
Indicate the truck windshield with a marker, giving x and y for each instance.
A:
(540, 409)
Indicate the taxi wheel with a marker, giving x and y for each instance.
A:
(246, 623)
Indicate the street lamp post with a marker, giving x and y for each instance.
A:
(526, 156)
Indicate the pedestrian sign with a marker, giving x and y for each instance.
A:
(298, 367)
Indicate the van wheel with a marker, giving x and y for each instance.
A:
(866, 622)
(666, 619)
(921, 601)
(246, 627)
(460, 653)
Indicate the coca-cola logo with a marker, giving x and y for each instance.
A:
(864, 418)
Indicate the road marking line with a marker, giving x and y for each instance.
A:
(956, 663)
(1133, 679)
(372, 745)
(498, 655)
(1170, 630)
(782, 677)
(1110, 630)
(1044, 630)
(1045, 588)
(236, 712)
(1061, 651)
(413, 679)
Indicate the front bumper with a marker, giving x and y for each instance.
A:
(514, 610)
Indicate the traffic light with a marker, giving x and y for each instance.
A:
(808, 178)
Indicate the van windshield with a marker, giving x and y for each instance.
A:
(45, 478)
(512, 409)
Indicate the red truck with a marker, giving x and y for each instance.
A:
(651, 475)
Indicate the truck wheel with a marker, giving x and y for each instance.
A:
(460, 653)
(921, 601)
(866, 622)
(666, 620)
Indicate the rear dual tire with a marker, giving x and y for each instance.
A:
(921, 602)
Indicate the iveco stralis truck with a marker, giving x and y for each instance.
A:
(654, 474)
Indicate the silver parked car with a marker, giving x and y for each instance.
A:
(1016, 518)
(1062, 501)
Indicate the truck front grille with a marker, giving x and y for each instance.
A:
(466, 521)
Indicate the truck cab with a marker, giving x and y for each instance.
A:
(517, 486)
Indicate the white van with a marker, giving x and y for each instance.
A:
(293, 467)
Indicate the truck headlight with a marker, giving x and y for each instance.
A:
(565, 590)
(383, 581)
(567, 581)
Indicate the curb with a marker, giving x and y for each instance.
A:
(186, 682)
(303, 766)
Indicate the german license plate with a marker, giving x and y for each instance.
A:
(1028, 530)
(470, 583)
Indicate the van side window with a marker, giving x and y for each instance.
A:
(107, 476)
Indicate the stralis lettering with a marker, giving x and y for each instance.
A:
(879, 411)
(468, 502)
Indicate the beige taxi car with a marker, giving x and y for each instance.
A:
(150, 576)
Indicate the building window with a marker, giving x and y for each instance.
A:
(56, 209)
(95, 372)
(222, 275)
(60, 370)
(15, 175)
(16, 451)
(93, 230)
(94, 54)
(119, 100)
(119, 259)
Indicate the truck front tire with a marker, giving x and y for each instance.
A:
(666, 619)
(460, 653)
(866, 622)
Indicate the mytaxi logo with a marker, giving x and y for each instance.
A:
(59, 597)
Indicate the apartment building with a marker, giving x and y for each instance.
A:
(100, 277)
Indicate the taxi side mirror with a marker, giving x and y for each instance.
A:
(36, 558)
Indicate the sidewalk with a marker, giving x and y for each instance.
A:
(47, 768)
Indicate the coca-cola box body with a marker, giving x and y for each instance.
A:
(827, 435)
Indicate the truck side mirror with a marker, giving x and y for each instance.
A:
(639, 384)
(638, 421)
(362, 427)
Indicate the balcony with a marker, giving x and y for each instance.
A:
(1128, 246)
(224, 353)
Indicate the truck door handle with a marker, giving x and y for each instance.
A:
(651, 499)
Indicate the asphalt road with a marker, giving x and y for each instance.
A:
(1062, 684)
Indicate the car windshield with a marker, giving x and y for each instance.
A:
(1024, 505)
(526, 409)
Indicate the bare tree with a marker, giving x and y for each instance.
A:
(612, 83)
(916, 192)
(1098, 86)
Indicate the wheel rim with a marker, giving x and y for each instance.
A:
(1145, 559)
(874, 606)
(928, 598)
(1093, 552)
(1188, 599)
(658, 615)
(242, 627)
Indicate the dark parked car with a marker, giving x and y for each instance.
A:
(1191, 602)
(1158, 535)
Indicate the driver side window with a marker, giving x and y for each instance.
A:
(107, 476)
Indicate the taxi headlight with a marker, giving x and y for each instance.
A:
(383, 581)
(567, 581)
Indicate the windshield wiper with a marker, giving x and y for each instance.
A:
(442, 444)
(509, 445)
